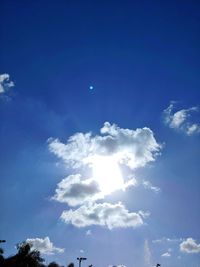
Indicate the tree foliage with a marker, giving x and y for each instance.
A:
(25, 257)
(53, 264)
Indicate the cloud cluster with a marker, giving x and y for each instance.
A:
(102, 214)
(133, 148)
(190, 246)
(5, 83)
(129, 148)
(45, 246)
(74, 190)
(181, 119)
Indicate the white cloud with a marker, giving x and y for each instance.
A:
(181, 119)
(132, 148)
(148, 185)
(45, 246)
(103, 214)
(5, 83)
(190, 246)
(74, 191)
(166, 254)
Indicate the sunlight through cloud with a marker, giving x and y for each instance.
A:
(107, 173)
(100, 162)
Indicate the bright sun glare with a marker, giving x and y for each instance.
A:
(107, 173)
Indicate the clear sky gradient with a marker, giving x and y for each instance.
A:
(76, 65)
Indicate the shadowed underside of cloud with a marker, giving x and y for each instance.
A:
(181, 119)
(104, 214)
(74, 191)
(5, 83)
(45, 246)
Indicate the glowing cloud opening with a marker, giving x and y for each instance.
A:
(107, 173)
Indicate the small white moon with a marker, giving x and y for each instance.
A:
(91, 87)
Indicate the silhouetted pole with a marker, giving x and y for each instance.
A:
(80, 260)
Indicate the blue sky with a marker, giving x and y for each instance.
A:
(142, 59)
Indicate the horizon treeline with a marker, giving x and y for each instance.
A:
(26, 257)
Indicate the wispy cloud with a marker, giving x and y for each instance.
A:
(45, 246)
(148, 185)
(88, 232)
(167, 239)
(166, 254)
(181, 120)
(5, 83)
(147, 254)
(144, 214)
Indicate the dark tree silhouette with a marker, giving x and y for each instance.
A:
(1, 257)
(53, 264)
(25, 257)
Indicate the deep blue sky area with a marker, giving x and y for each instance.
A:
(138, 56)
